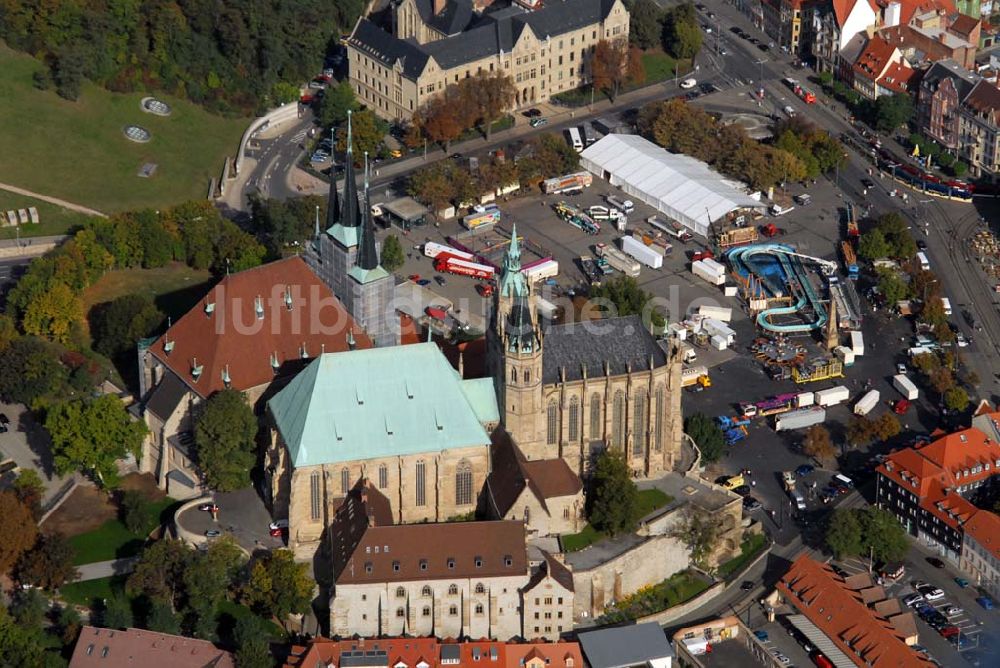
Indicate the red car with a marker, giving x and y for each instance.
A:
(901, 406)
(484, 289)
(278, 532)
(949, 631)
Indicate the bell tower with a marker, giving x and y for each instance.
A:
(516, 351)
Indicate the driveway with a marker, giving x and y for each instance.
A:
(27, 444)
(242, 514)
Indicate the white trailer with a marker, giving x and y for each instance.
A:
(696, 646)
(548, 310)
(714, 266)
(800, 419)
(905, 386)
(538, 271)
(919, 350)
(705, 273)
(844, 354)
(857, 343)
(641, 252)
(719, 342)
(688, 354)
(867, 403)
(832, 396)
(805, 399)
(713, 327)
(618, 260)
(720, 313)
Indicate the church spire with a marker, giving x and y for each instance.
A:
(512, 281)
(367, 253)
(332, 199)
(350, 214)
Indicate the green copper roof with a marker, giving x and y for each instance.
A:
(512, 281)
(483, 398)
(346, 236)
(379, 402)
(363, 276)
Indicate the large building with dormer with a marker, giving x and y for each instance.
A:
(428, 44)
(569, 391)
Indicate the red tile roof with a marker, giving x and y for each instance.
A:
(224, 330)
(911, 8)
(843, 8)
(911, 471)
(958, 454)
(984, 527)
(110, 648)
(874, 58)
(413, 651)
(947, 506)
(839, 612)
(897, 77)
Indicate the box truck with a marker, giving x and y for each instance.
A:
(804, 399)
(720, 313)
(713, 327)
(800, 419)
(706, 273)
(641, 252)
(857, 343)
(561, 184)
(832, 396)
(867, 403)
(696, 375)
(905, 386)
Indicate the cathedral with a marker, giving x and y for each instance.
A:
(346, 257)
(571, 390)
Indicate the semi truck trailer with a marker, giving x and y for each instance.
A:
(800, 419)
(618, 259)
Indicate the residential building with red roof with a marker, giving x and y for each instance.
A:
(928, 488)
(981, 551)
(433, 653)
(138, 648)
(842, 619)
(876, 62)
(252, 332)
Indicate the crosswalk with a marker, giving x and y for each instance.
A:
(298, 136)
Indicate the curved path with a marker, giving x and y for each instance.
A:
(52, 200)
(793, 269)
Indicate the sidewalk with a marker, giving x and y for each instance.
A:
(52, 200)
(105, 569)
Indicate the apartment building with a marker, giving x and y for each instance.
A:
(978, 128)
(834, 25)
(430, 44)
(880, 70)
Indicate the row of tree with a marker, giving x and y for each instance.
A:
(228, 54)
(477, 100)
(676, 30)
(800, 152)
(870, 532)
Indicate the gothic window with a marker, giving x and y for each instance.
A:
(453, 590)
(400, 592)
(426, 612)
(639, 425)
(425, 592)
(421, 488)
(480, 589)
(618, 420)
(400, 612)
(574, 419)
(453, 610)
(345, 481)
(314, 494)
(658, 420)
(552, 423)
(463, 483)
(513, 375)
(383, 476)
(526, 375)
(479, 608)
(595, 417)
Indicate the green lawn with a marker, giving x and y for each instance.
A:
(84, 593)
(649, 500)
(175, 288)
(112, 540)
(675, 590)
(230, 612)
(76, 150)
(749, 549)
(52, 219)
(659, 66)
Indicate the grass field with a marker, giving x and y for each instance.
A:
(76, 150)
(53, 219)
(175, 288)
(749, 549)
(675, 590)
(112, 540)
(84, 593)
(649, 500)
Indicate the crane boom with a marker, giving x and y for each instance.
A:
(828, 266)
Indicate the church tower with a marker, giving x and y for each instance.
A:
(516, 351)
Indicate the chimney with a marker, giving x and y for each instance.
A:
(438, 7)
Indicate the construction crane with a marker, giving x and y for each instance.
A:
(829, 268)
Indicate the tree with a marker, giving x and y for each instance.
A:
(393, 256)
(252, 647)
(681, 33)
(92, 435)
(860, 431)
(699, 532)
(68, 624)
(18, 529)
(873, 246)
(52, 315)
(20, 645)
(614, 499)
(136, 512)
(891, 286)
(337, 101)
(29, 489)
(208, 578)
(623, 296)
(956, 399)
(942, 380)
(441, 119)
(117, 613)
(635, 70)
(159, 572)
(645, 24)
(432, 186)
(959, 168)
(893, 111)
(818, 444)
(224, 436)
(487, 96)
(161, 618)
(278, 586)
(68, 73)
(117, 326)
(886, 426)
(28, 607)
(29, 370)
(367, 131)
(884, 537)
(277, 223)
(608, 66)
(843, 535)
(49, 564)
(707, 436)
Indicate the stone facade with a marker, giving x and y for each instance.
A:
(394, 75)
(981, 552)
(547, 601)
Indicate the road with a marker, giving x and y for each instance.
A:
(11, 268)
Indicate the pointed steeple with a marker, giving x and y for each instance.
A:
(333, 199)
(350, 215)
(367, 253)
(512, 281)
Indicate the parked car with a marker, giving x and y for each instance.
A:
(689, 83)
(953, 610)
(538, 122)
(986, 602)
(278, 524)
(746, 585)
(278, 532)
(949, 631)
(441, 280)
(913, 600)
(804, 470)
(761, 635)
(751, 504)
(931, 593)
(742, 490)
(935, 562)
(962, 582)
(533, 113)
(212, 533)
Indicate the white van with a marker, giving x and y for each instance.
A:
(575, 140)
(946, 305)
(800, 501)
(625, 206)
(844, 480)
(924, 263)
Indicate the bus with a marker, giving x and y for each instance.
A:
(574, 139)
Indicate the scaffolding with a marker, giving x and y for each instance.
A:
(737, 236)
(819, 369)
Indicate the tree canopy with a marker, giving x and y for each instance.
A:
(866, 532)
(18, 529)
(645, 24)
(224, 434)
(707, 436)
(626, 297)
(278, 586)
(49, 564)
(699, 532)
(614, 499)
(91, 435)
(682, 35)
(393, 256)
(117, 326)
